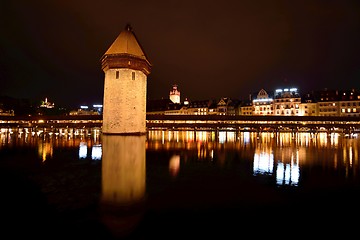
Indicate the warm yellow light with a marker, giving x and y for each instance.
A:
(174, 165)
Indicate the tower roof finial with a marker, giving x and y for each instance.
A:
(128, 27)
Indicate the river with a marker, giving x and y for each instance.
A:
(178, 184)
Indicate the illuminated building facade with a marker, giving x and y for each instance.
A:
(328, 102)
(246, 108)
(338, 103)
(47, 104)
(308, 106)
(225, 107)
(126, 68)
(287, 102)
(85, 110)
(350, 103)
(199, 107)
(263, 104)
(175, 94)
(6, 113)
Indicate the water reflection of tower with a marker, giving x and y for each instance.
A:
(124, 133)
(123, 182)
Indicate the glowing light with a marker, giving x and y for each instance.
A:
(263, 100)
(174, 165)
(45, 150)
(222, 137)
(82, 150)
(230, 136)
(96, 152)
(246, 137)
(263, 163)
(287, 174)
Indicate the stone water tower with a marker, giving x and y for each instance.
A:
(126, 68)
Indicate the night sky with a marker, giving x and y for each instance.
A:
(210, 49)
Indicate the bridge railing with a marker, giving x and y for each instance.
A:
(256, 123)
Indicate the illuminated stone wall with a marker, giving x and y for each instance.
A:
(124, 109)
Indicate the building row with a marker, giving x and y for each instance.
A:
(281, 102)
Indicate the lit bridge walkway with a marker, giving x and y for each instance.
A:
(255, 123)
(196, 122)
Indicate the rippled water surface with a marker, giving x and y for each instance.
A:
(170, 184)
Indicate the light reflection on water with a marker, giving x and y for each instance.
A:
(189, 169)
(282, 155)
(279, 154)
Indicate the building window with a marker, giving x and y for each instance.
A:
(117, 74)
(133, 75)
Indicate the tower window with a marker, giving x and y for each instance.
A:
(117, 74)
(133, 75)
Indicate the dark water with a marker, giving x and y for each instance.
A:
(171, 184)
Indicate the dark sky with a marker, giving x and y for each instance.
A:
(211, 49)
